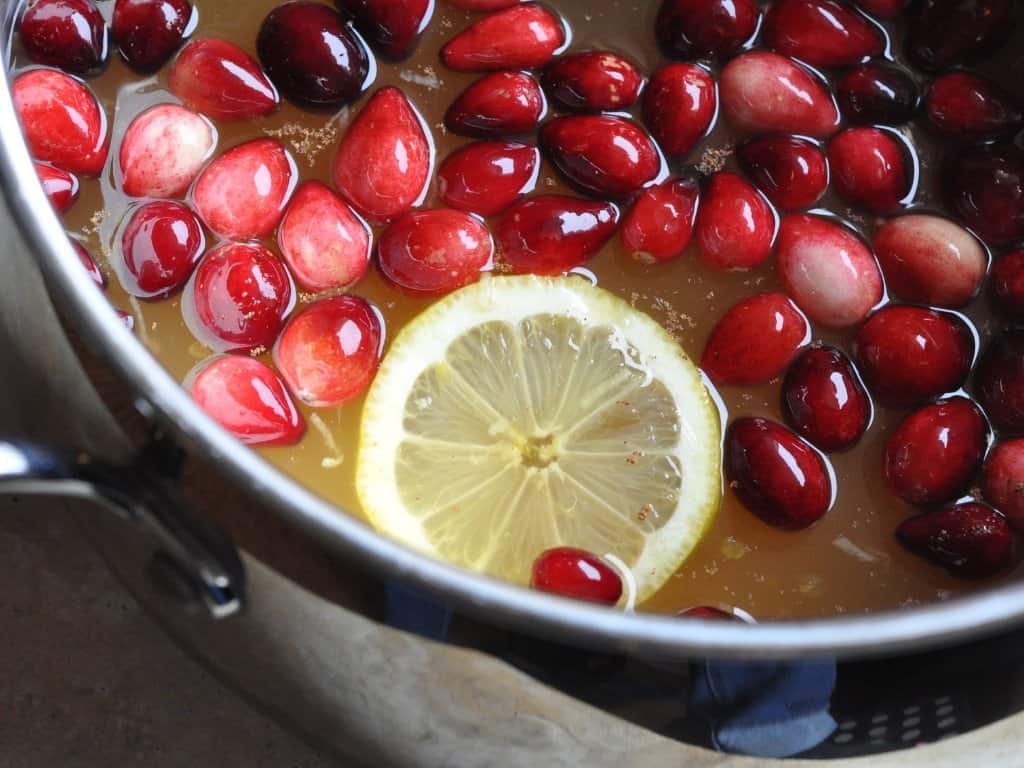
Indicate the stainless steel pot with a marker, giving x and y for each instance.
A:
(197, 555)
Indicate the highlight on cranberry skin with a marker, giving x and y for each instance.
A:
(576, 573)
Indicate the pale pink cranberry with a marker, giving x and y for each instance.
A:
(163, 151)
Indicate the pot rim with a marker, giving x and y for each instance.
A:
(496, 602)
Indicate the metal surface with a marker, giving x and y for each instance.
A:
(495, 602)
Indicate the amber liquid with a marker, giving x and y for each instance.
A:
(847, 563)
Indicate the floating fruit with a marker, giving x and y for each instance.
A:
(499, 104)
(163, 150)
(823, 33)
(574, 573)
(222, 81)
(160, 246)
(869, 169)
(735, 226)
(486, 177)
(594, 81)
(679, 104)
(969, 540)
(70, 34)
(695, 28)
(824, 401)
(877, 93)
(792, 172)
(520, 37)
(660, 223)
(148, 32)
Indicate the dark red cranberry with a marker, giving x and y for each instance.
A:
(755, 340)
(1003, 480)
(941, 33)
(392, 27)
(869, 169)
(311, 55)
(679, 105)
(823, 33)
(985, 187)
(91, 267)
(908, 354)
(999, 381)
(160, 246)
(776, 475)
(148, 32)
(824, 401)
(60, 186)
(486, 177)
(222, 81)
(660, 223)
(69, 34)
(499, 104)
(963, 105)
(593, 81)
(935, 451)
(882, 9)
(877, 93)
(689, 29)
(969, 540)
(1007, 283)
(238, 298)
(578, 574)
(792, 172)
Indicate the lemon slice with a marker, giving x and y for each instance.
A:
(524, 413)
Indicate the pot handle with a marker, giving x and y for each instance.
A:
(194, 560)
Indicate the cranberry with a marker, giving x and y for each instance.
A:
(434, 252)
(70, 34)
(999, 381)
(238, 298)
(883, 9)
(163, 151)
(498, 104)
(755, 340)
(776, 475)
(323, 242)
(577, 574)
(243, 193)
(935, 451)
(679, 104)
(792, 172)
(311, 55)
(823, 33)
(551, 234)
(384, 160)
(593, 81)
(708, 613)
(824, 401)
(486, 177)
(91, 267)
(694, 28)
(222, 81)
(660, 223)
(60, 186)
(930, 260)
(828, 271)
(1008, 285)
(605, 155)
(877, 93)
(869, 169)
(329, 353)
(126, 319)
(62, 121)
(160, 246)
(735, 227)
(941, 33)
(248, 399)
(148, 32)
(484, 5)
(909, 354)
(521, 37)
(763, 92)
(1003, 480)
(393, 27)
(964, 105)
(969, 540)
(985, 187)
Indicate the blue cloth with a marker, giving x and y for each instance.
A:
(414, 612)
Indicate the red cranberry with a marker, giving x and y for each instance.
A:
(909, 354)
(384, 160)
(679, 104)
(60, 186)
(941, 33)
(969, 540)
(488, 176)
(498, 104)
(999, 381)
(484, 5)
(735, 226)
(593, 81)
(869, 169)
(697, 28)
(877, 93)
(91, 267)
(985, 187)
(605, 155)
(660, 223)
(160, 246)
(551, 234)
(577, 574)
(311, 56)
(827, 270)
(930, 260)
(708, 613)
(521, 37)
(1003, 480)
(329, 353)
(964, 105)
(248, 399)
(163, 151)
(776, 475)
(393, 27)
(823, 33)
(1008, 285)
(148, 32)
(238, 298)
(792, 172)
(434, 252)
(755, 340)
(70, 34)
(222, 81)
(935, 451)
(824, 401)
